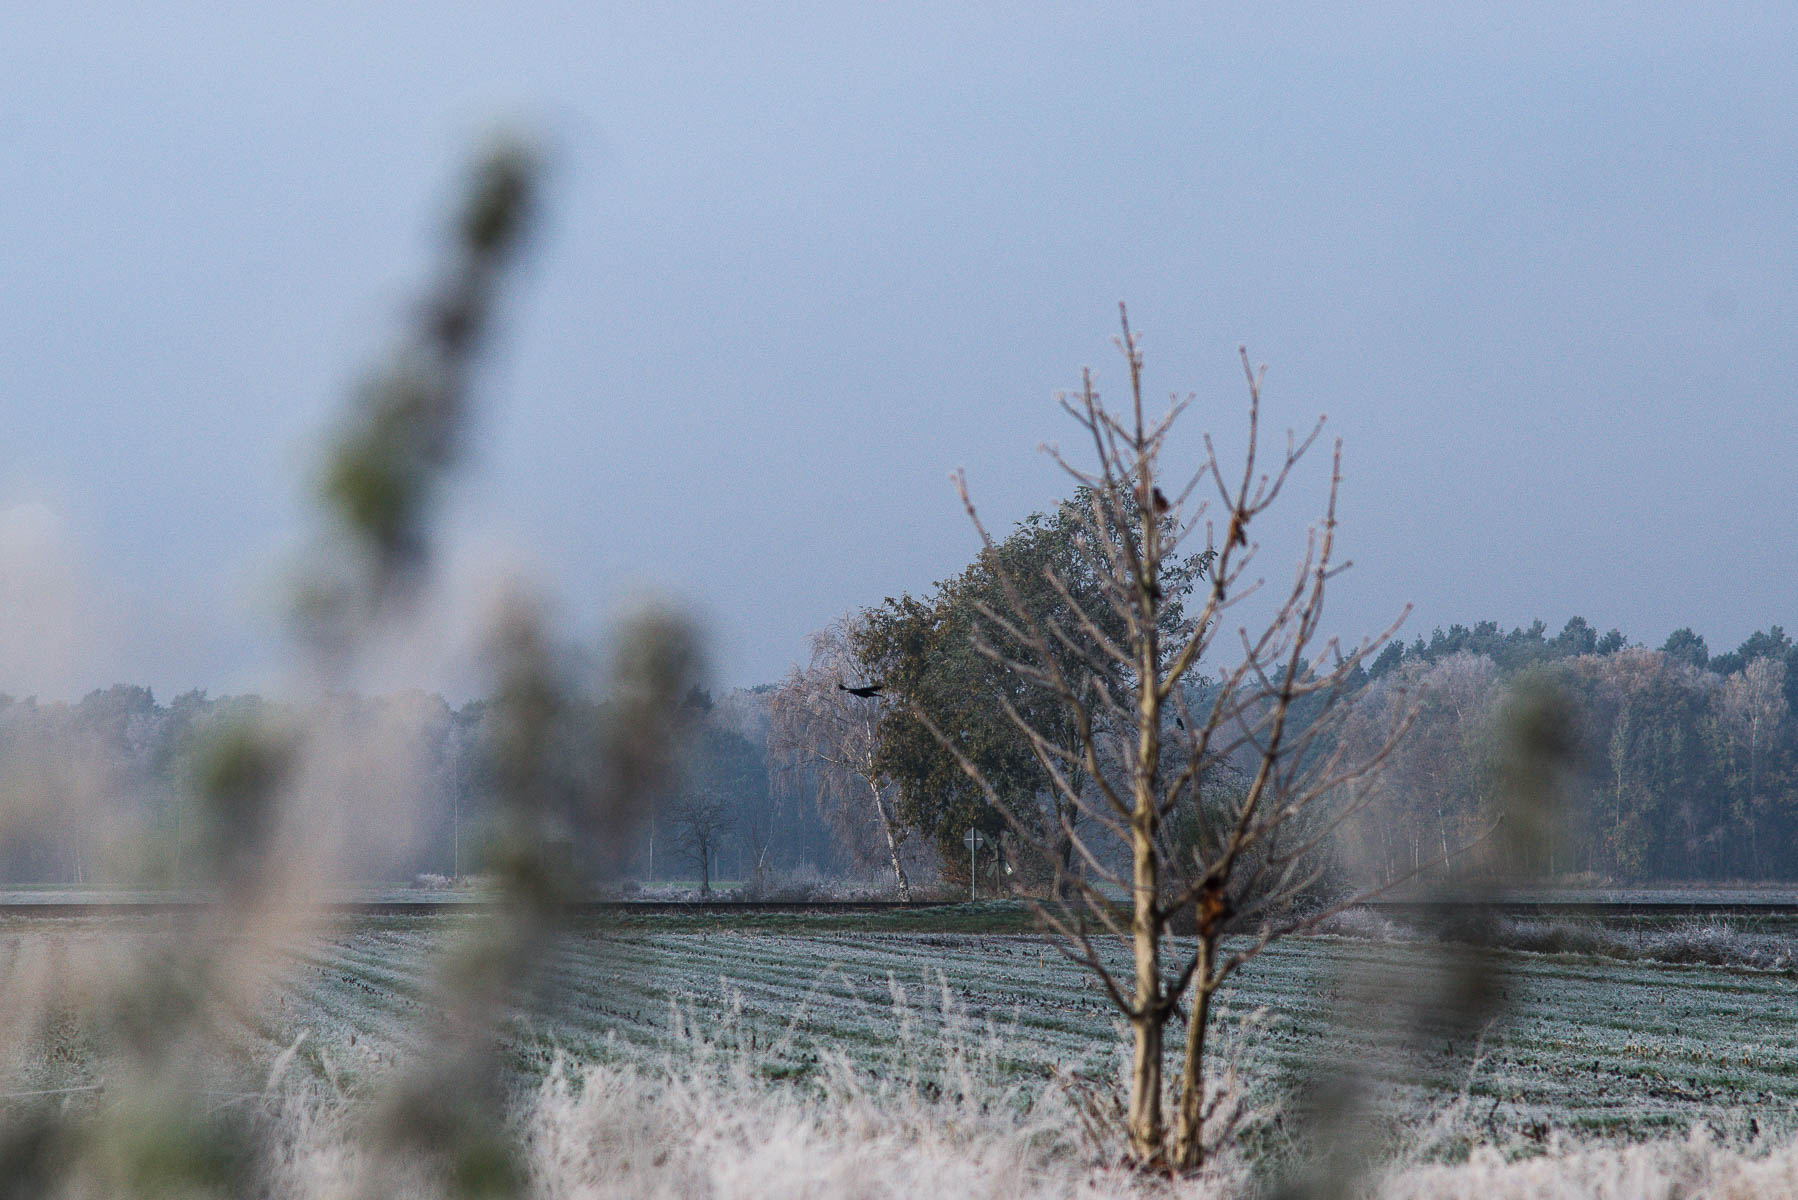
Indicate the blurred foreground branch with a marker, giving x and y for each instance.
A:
(284, 800)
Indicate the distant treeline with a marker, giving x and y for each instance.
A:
(1688, 761)
(1688, 771)
(121, 789)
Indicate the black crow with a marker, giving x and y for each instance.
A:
(866, 692)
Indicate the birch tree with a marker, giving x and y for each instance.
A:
(1753, 705)
(1437, 787)
(821, 730)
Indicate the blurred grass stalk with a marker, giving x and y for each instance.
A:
(282, 802)
(1334, 1116)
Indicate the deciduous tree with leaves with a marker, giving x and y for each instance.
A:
(924, 651)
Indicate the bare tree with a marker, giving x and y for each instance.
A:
(1754, 704)
(701, 819)
(1438, 786)
(1753, 707)
(1253, 847)
(758, 824)
(818, 726)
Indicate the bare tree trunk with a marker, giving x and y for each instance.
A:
(1754, 841)
(175, 879)
(886, 827)
(1189, 1144)
(1148, 1016)
(1066, 814)
(1146, 1019)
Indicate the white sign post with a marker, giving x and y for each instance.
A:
(973, 841)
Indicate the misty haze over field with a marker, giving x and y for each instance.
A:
(1537, 267)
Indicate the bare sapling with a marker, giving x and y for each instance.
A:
(1195, 803)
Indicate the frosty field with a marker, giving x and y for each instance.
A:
(1582, 1044)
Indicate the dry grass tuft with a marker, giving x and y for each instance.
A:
(712, 1129)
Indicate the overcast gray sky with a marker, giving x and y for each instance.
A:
(802, 261)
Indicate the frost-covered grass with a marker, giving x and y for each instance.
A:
(716, 1062)
(1583, 1045)
(1761, 943)
(627, 1133)
(706, 1124)
(1697, 1166)
(1713, 943)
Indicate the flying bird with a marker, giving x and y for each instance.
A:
(866, 692)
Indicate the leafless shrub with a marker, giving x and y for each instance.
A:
(1708, 943)
(1711, 943)
(1363, 923)
(807, 883)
